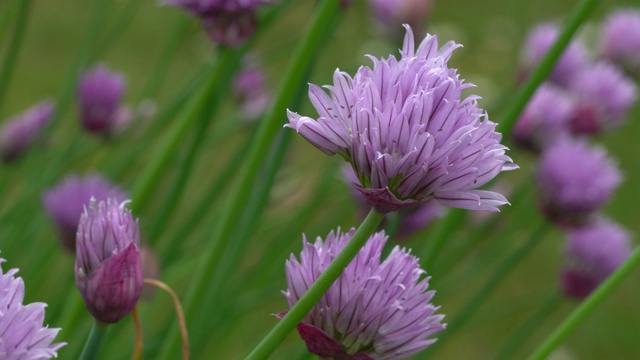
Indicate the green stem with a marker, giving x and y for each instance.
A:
(528, 328)
(440, 234)
(479, 296)
(148, 179)
(587, 306)
(269, 127)
(92, 346)
(317, 290)
(546, 65)
(14, 46)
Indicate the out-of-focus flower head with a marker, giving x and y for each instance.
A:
(592, 253)
(545, 118)
(65, 202)
(603, 95)
(391, 14)
(108, 265)
(539, 41)
(228, 22)
(620, 42)
(249, 87)
(407, 131)
(374, 310)
(21, 131)
(150, 269)
(100, 92)
(22, 336)
(575, 181)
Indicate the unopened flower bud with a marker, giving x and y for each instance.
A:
(108, 263)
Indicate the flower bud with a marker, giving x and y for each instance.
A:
(18, 134)
(108, 263)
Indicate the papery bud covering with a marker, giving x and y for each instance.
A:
(108, 265)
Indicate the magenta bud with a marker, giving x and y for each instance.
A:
(108, 263)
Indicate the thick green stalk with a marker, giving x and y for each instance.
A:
(269, 127)
(485, 290)
(317, 290)
(148, 179)
(92, 346)
(14, 46)
(528, 328)
(587, 307)
(546, 65)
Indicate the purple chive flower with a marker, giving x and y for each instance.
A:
(20, 132)
(391, 14)
(575, 180)
(228, 22)
(592, 253)
(620, 42)
(100, 92)
(538, 42)
(407, 131)
(545, 118)
(603, 97)
(374, 310)
(65, 202)
(22, 336)
(108, 264)
(249, 89)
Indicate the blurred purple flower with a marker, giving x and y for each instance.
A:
(100, 92)
(620, 42)
(250, 91)
(407, 132)
(575, 180)
(538, 42)
(374, 310)
(592, 253)
(228, 22)
(545, 118)
(21, 131)
(22, 336)
(108, 265)
(65, 202)
(391, 14)
(603, 96)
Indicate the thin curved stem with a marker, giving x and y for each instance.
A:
(179, 313)
(139, 342)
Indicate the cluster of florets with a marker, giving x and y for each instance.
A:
(22, 335)
(377, 309)
(583, 96)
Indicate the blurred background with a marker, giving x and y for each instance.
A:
(309, 194)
